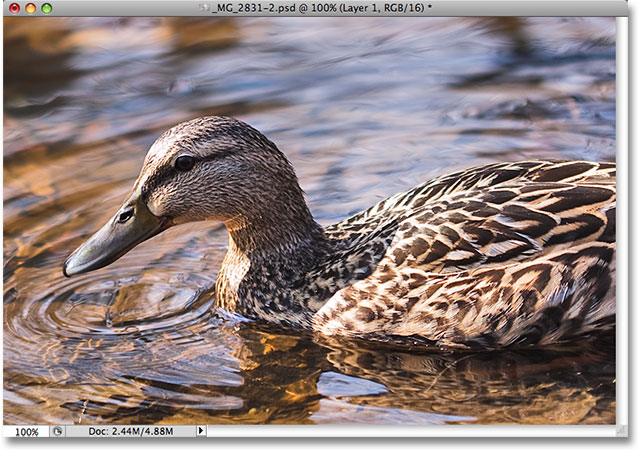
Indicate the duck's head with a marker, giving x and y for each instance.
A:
(210, 168)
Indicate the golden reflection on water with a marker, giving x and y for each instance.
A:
(388, 105)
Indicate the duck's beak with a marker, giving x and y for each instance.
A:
(132, 224)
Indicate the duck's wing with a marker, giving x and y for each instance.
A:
(549, 206)
(481, 178)
(505, 225)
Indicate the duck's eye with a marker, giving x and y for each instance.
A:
(184, 163)
(125, 215)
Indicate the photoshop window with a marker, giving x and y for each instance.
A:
(301, 214)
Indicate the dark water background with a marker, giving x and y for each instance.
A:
(363, 108)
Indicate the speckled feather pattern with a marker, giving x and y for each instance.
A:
(507, 254)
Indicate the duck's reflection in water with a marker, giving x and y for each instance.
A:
(301, 378)
(563, 384)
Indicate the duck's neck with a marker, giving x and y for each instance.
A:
(291, 241)
(268, 253)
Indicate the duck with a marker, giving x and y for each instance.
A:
(508, 254)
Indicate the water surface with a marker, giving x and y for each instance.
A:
(363, 109)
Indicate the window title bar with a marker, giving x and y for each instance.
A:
(440, 8)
